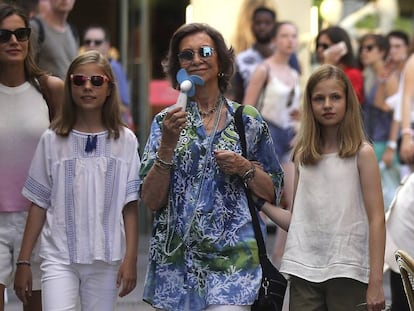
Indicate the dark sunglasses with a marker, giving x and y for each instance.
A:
(188, 55)
(368, 47)
(324, 46)
(96, 80)
(95, 42)
(21, 34)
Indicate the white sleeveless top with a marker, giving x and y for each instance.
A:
(279, 100)
(328, 234)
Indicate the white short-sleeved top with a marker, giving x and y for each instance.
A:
(84, 194)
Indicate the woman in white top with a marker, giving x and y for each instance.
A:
(334, 251)
(274, 89)
(83, 185)
(24, 116)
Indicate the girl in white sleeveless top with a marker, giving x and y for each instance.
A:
(334, 251)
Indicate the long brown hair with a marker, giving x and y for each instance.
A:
(111, 113)
(31, 70)
(308, 145)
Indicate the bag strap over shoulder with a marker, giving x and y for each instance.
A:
(238, 117)
(259, 104)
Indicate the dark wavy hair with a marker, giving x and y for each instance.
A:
(380, 41)
(337, 34)
(225, 55)
(31, 70)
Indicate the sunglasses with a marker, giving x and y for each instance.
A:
(21, 34)
(187, 56)
(368, 47)
(96, 80)
(95, 42)
(324, 46)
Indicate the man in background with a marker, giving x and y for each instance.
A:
(55, 40)
(263, 23)
(97, 37)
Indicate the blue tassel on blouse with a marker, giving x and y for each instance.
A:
(91, 143)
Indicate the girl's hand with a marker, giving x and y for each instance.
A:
(127, 276)
(375, 297)
(174, 121)
(23, 283)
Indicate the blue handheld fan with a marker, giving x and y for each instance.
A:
(187, 86)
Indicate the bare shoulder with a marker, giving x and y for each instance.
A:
(366, 155)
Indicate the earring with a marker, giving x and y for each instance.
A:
(220, 75)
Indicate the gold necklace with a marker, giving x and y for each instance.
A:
(209, 112)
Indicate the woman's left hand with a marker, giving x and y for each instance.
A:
(231, 162)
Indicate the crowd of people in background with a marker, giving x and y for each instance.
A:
(316, 163)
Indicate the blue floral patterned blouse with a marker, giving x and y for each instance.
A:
(203, 250)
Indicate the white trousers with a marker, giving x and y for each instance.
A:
(63, 286)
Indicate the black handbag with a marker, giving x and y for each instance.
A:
(273, 285)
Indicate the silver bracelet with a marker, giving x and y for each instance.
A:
(165, 163)
(249, 175)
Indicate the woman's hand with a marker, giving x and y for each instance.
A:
(174, 121)
(232, 163)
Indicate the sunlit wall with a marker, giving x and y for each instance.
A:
(224, 16)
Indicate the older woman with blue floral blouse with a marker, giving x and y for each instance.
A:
(203, 252)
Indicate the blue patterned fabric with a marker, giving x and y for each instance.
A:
(203, 247)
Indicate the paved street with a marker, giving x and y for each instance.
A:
(133, 302)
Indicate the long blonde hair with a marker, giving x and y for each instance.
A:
(351, 135)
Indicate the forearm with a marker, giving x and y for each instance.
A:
(130, 216)
(262, 186)
(154, 193)
(376, 250)
(34, 225)
(278, 215)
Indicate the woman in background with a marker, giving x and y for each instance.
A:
(330, 50)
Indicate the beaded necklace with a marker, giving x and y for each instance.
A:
(210, 111)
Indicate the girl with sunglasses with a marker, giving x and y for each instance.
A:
(83, 185)
(203, 252)
(28, 100)
(377, 110)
